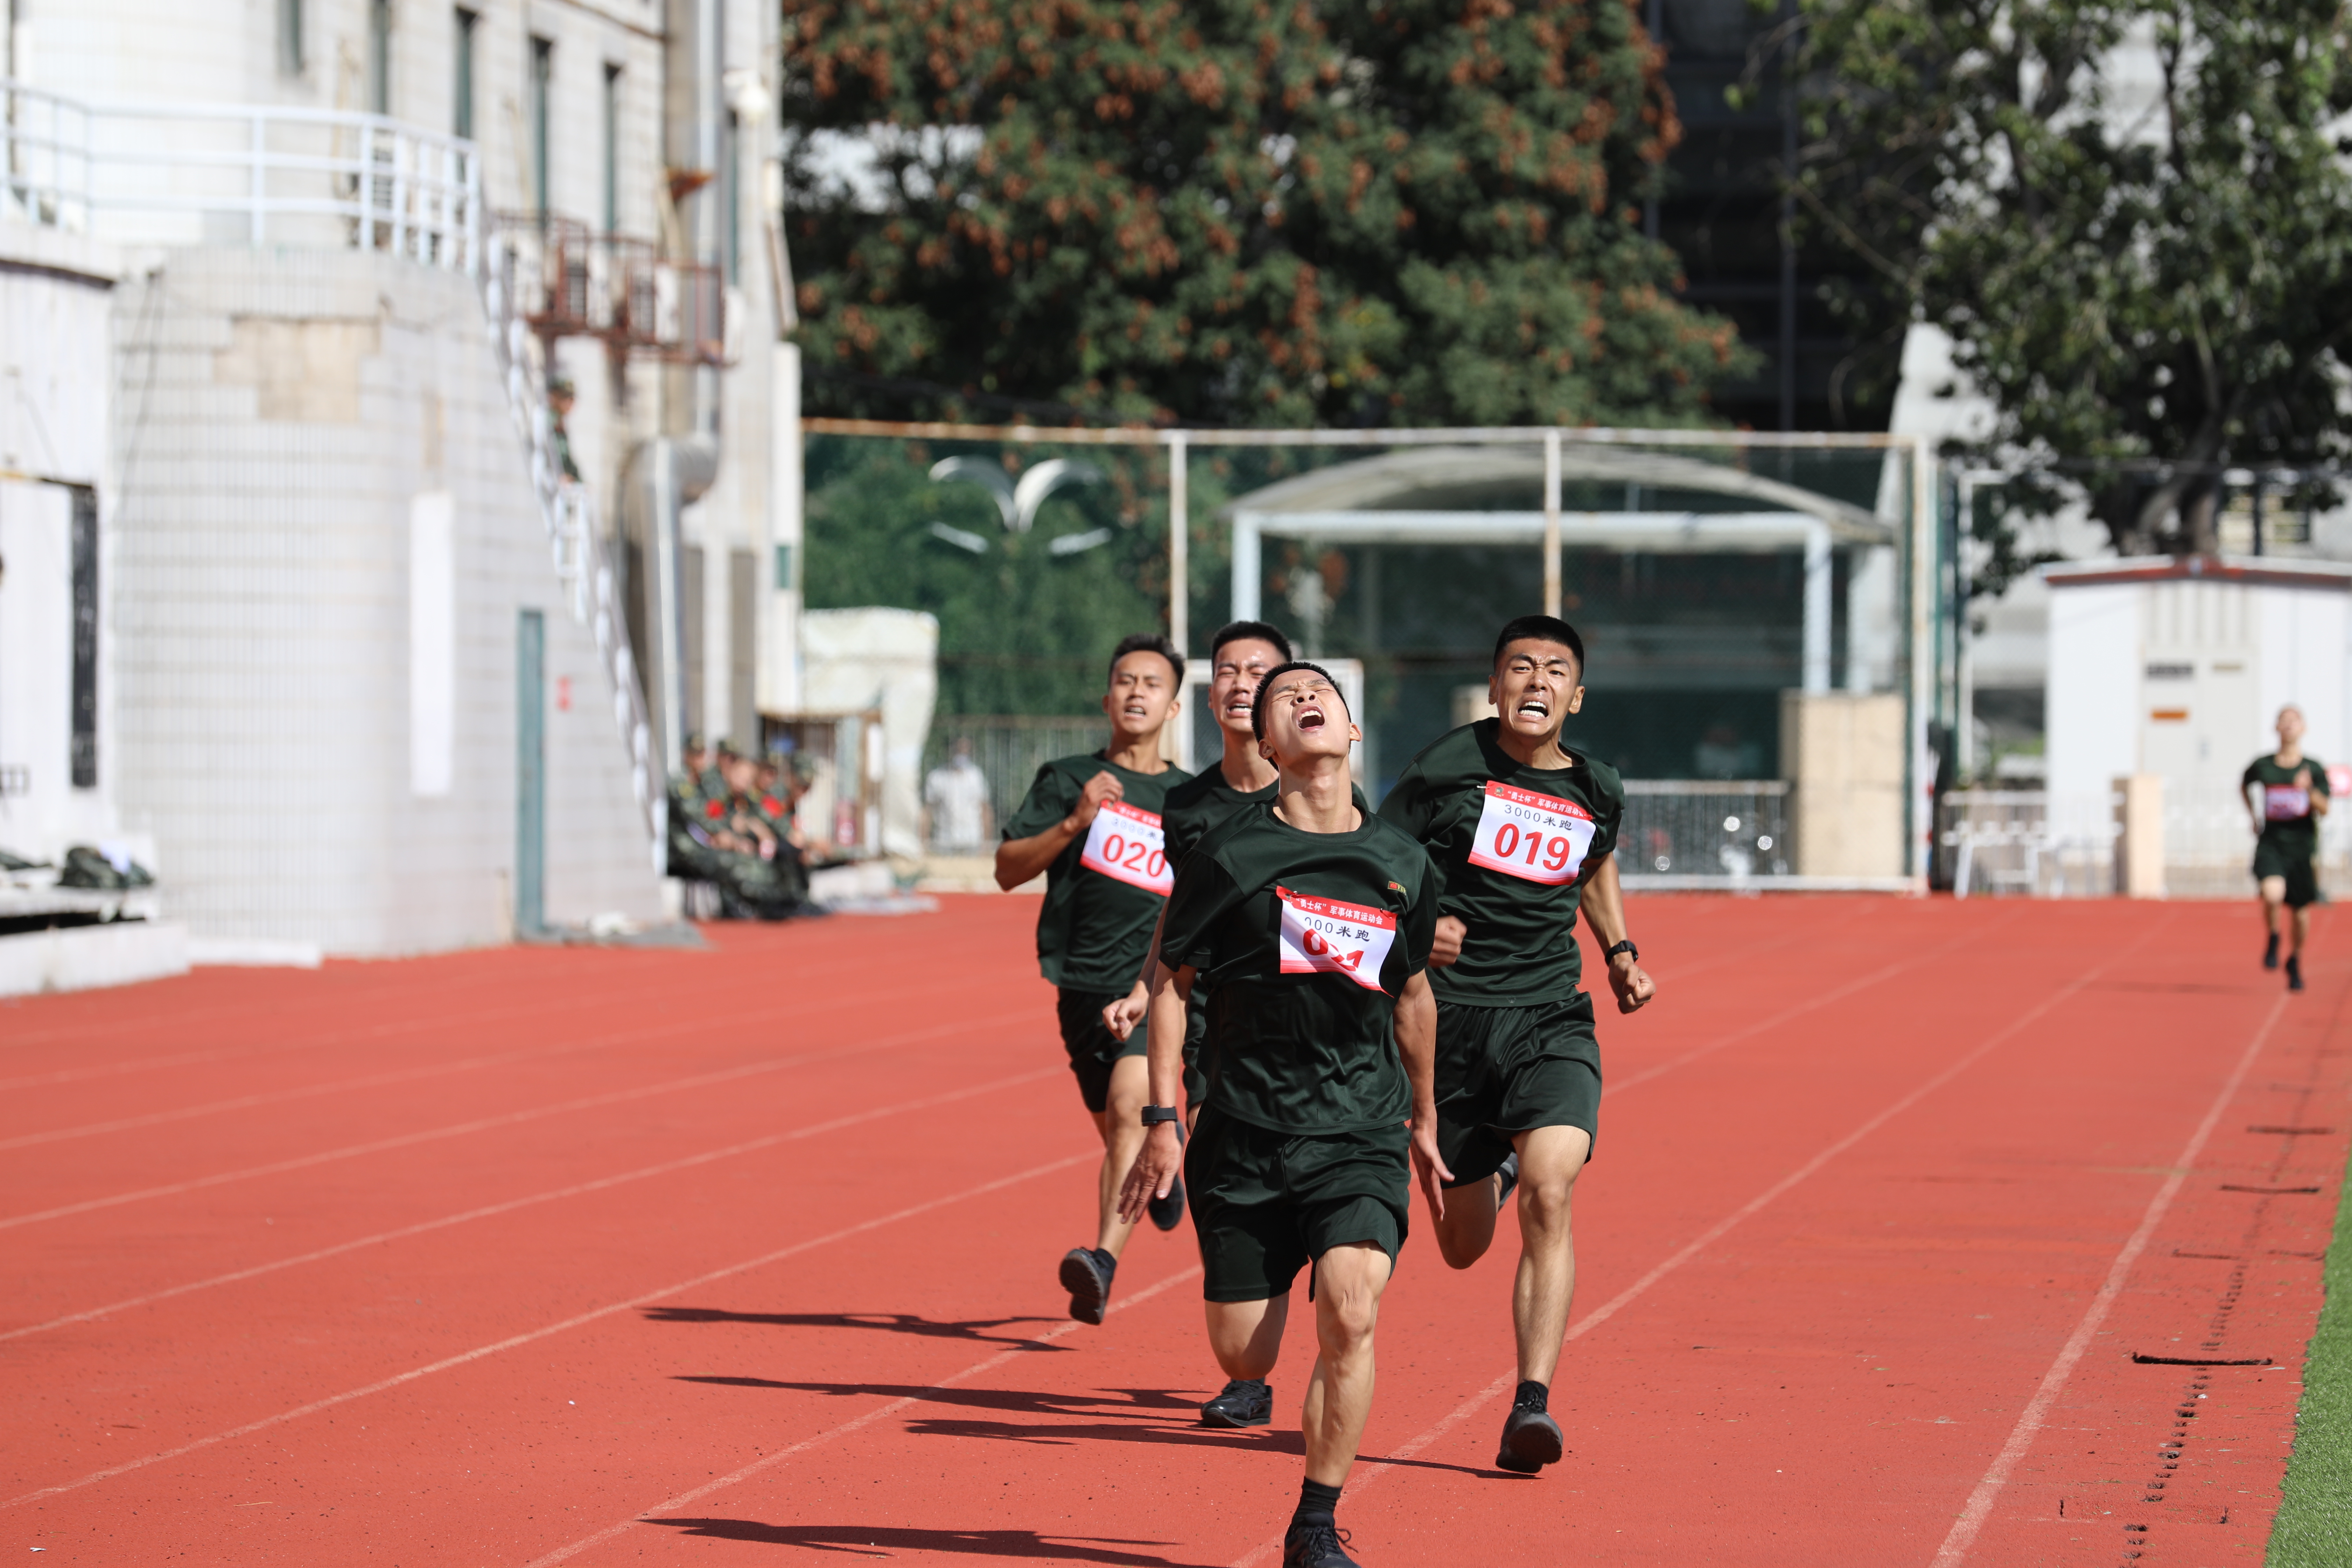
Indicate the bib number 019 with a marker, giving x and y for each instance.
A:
(1129, 845)
(1535, 837)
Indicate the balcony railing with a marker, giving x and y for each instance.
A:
(567, 282)
(244, 174)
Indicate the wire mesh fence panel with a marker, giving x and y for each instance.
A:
(1734, 829)
(1008, 749)
(2030, 842)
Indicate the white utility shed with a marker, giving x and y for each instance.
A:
(2176, 667)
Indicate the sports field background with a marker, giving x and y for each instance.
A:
(540, 1254)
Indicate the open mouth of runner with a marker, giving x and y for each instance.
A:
(1536, 706)
(1238, 705)
(1311, 719)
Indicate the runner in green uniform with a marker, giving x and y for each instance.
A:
(1240, 656)
(1312, 923)
(1092, 826)
(1521, 830)
(2287, 793)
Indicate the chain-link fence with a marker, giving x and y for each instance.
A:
(1731, 831)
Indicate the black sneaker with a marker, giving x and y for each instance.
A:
(1509, 1173)
(2295, 972)
(1530, 1441)
(1246, 1402)
(2270, 952)
(1085, 1275)
(1316, 1544)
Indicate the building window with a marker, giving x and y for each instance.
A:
(611, 148)
(461, 121)
(379, 57)
(543, 87)
(289, 36)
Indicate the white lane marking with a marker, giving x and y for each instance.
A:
(1978, 1507)
(510, 1342)
(884, 1412)
(511, 1118)
(1720, 1228)
(487, 1211)
(409, 1075)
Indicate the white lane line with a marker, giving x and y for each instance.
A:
(1978, 1507)
(511, 1118)
(1717, 1231)
(490, 1210)
(871, 1416)
(409, 1075)
(464, 1357)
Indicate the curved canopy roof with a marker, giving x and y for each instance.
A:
(1472, 478)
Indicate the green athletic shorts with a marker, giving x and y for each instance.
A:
(2272, 858)
(1502, 1070)
(1093, 1049)
(1265, 1205)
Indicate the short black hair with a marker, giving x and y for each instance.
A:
(1241, 631)
(1147, 642)
(1540, 629)
(1257, 703)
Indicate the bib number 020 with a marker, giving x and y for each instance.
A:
(1535, 837)
(1129, 845)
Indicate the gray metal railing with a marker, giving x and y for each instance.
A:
(252, 174)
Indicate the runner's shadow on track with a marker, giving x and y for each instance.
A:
(889, 1322)
(1149, 1403)
(882, 1540)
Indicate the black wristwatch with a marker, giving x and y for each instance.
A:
(1611, 956)
(1153, 1115)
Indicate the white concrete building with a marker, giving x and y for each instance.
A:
(293, 601)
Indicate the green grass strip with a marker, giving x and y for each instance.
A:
(2314, 1529)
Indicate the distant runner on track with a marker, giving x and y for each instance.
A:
(1091, 824)
(2287, 793)
(1521, 830)
(1312, 922)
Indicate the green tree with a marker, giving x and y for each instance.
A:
(2148, 275)
(1358, 212)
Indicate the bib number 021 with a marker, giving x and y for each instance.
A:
(1127, 845)
(1535, 837)
(1324, 936)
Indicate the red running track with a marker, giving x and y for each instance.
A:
(538, 1255)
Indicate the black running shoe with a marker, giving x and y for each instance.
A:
(1246, 1402)
(1316, 1544)
(2270, 952)
(1510, 1172)
(1530, 1441)
(1085, 1275)
(2295, 972)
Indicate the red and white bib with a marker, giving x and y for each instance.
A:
(1535, 837)
(2285, 803)
(1128, 843)
(1326, 936)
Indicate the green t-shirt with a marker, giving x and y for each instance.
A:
(1095, 929)
(1514, 848)
(1305, 939)
(2287, 821)
(1205, 801)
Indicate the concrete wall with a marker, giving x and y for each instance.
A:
(1843, 752)
(276, 418)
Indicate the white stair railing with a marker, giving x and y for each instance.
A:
(566, 508)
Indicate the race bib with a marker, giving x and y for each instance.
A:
(2286, 803)
(1324, 935)
(1127, 845)
(1534, 837)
